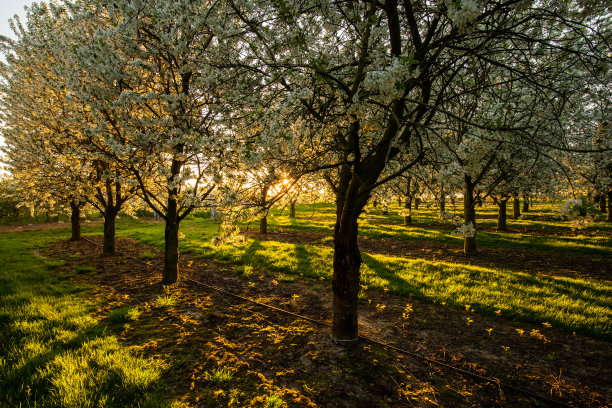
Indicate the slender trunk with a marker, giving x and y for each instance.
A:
(501, 215)
(517, 208)
(469, 215)
(75, 220)
(399, 202)
(602, 203)
(171, 250)
(525, 203)
(263, 225)
(442, 204)
(375, 203)
(609, 218)
(408, 204)
(292, 210)
(417, 201)
(110, 216)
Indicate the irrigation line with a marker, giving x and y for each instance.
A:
(490, 380)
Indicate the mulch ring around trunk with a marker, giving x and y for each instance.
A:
(200, 331)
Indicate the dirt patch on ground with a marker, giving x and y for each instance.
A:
(42, 226)
(272, 353)
(529, 261)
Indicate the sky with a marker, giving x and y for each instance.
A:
(8, 8)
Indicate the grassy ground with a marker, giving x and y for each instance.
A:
(55, 350)
(74, 344)
(583, 305)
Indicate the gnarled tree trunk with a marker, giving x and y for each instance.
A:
(263, 225)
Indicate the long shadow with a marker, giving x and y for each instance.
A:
(402, 286)
(249, 257)
(14, 379)
(397, 283)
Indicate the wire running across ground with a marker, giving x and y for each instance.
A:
(399, 350)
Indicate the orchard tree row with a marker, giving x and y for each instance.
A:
(242, 103)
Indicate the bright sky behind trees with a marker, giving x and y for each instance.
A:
(8, 9)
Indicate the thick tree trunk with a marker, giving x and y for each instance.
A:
(292, 209)
(171, 250)
(263, 225)
(469, 215)
(517, 208)
(417, 201)
(525, 203)
(345, 284)
(609, 218)
(108, 247)
(501, 215)
(75, 220)
(602, 203)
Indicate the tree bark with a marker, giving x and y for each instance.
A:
(263, 225)
(609, 218)
(417, 201)
(408, 204)
(525, 203)
(75, 220)
(602, 203)
(292, 209)
(501, 215)
(516, 208)
(345, 284)
(171, 249)
(469, 214)
(108, 247)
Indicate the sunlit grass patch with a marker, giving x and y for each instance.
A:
(91, 375)
(274, 401)
(54, 352)
(219, 375)
(164, 301)
(124, 314)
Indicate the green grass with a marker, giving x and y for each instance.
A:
(219, 375)
(375, 225)
(54, 352)
(164, 301)
(581, 305)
